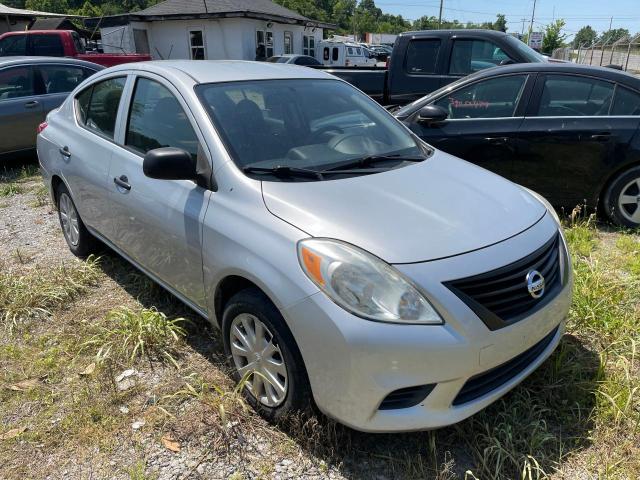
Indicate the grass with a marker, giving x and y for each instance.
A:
(577, 416)
(24, 297)
(130, 334)
(10, 189)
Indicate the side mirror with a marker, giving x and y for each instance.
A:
(430, 114)
(169, 163)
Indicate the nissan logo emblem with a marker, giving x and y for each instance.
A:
(535, 284)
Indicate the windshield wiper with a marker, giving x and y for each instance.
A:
(370, 160)
(284, 171)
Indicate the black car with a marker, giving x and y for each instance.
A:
(567, 131)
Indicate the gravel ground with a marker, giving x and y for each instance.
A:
(30, 238)
(29, 234)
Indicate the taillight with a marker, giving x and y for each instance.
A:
(42, 126)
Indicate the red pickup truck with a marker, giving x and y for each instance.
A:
(59, 43)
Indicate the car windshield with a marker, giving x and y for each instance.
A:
(525, 50)
(311, 124)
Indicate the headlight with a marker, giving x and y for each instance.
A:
(363, 284)
(546, 203)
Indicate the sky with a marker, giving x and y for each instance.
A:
(576, 13)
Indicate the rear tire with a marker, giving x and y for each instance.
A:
(273, 352)
(622, 199)
(80, 241)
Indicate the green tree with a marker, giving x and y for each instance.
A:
(500, 23)
(553, 36)
(585, 36)
(52, 6)
(613, 35)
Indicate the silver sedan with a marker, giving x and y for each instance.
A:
(346, 262)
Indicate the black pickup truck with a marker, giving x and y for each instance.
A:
(424, 61)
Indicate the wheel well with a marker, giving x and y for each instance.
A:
(227, 288)
(607, 183)
(55, 181)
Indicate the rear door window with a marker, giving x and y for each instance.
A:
(16, 82)
(62, 78)
(626, 102)
(97, 106)
(422, 56)
(46, 45)
(493, 98)
(157, 119)
(571, 96)
(13, 45)
(469, 55)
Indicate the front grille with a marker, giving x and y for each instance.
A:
(406, 397)
(501, 297)
(486, 382)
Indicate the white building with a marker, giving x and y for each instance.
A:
(210, 29)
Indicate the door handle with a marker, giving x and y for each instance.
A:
(123, 182)
(601, 137)
(497, 140)
(31, 104)
(64, 151)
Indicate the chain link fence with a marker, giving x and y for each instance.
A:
(623, 54)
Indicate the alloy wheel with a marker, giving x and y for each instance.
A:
(258, 358)
(69, 219)
(629, 201)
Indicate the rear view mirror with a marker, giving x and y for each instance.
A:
(430, 114)
(169, 163)
(507, 61)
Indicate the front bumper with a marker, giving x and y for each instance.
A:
(353, 364)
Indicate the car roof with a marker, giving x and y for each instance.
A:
(25, 60)
(216, 71)
(571, 68)
(486, 33)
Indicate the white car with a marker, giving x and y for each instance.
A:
(345, 261)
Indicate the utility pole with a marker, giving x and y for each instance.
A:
(440, 16)
(533, 15)
(522, 31)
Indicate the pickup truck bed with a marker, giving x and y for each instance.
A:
(424, 61)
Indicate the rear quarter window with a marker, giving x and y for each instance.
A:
(46, 45)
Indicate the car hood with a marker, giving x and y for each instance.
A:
(438, 208)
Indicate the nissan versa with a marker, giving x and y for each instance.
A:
(345, 261)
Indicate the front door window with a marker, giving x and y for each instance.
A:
(469, 56)
(494, 98)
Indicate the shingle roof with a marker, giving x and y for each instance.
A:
(199, 7)
(19, 12)
(186, 9)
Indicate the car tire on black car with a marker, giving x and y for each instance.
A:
(80, 241)
(250, 309)
(622, 199)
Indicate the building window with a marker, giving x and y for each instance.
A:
(264, 44)
(288, 42)
(309, 45)
(196, 42)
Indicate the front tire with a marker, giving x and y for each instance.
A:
(622, 200)
(80, 241)
(263, 353)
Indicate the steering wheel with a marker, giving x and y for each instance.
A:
(326, 129)
(338, 139)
